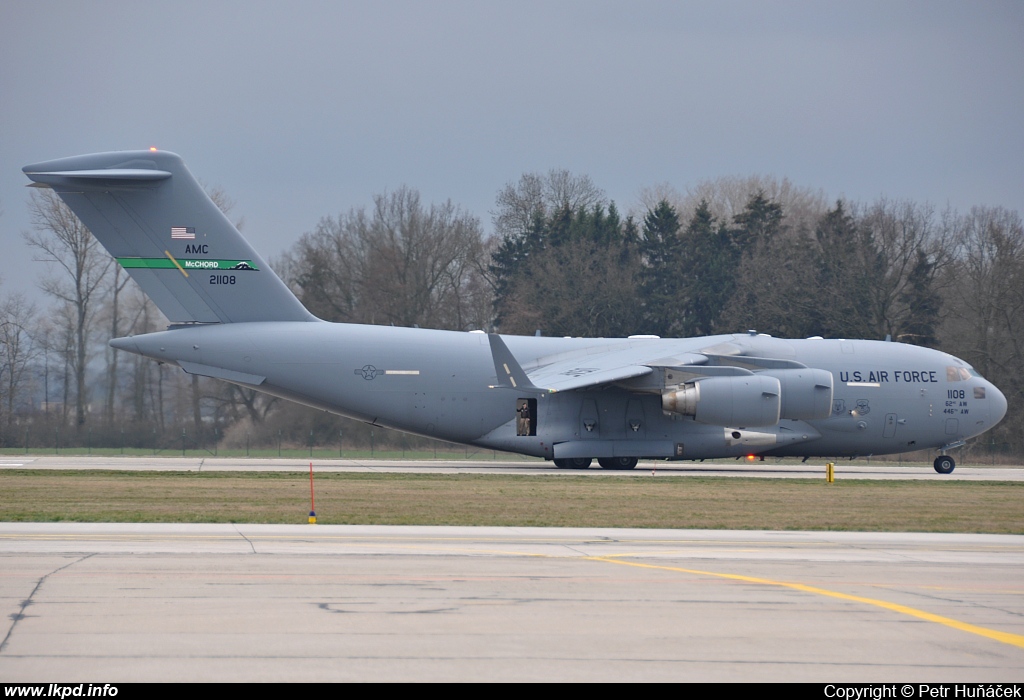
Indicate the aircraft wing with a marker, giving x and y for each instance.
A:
(567, 375)
(582, 369)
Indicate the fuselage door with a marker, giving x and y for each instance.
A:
(526, 417)
(890, 425)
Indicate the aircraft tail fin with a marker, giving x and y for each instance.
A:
(151, 214)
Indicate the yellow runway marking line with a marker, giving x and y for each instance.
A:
(1016, 640)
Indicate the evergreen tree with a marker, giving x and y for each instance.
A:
(662, 277)
(759, 222)
(572, 273)
(511, 260)
(922, 302)
(847, 260)
(713, 259)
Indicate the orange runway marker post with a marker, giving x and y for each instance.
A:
(312, 500)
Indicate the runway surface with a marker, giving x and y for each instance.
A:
(859, 469)
(108, 603)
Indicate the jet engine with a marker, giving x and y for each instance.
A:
(747, 400)
(806, 393)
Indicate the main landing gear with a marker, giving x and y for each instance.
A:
(573, 463)
(617, 462)
(605, 462)
(944, 464)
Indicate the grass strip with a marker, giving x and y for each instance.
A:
(477, 499)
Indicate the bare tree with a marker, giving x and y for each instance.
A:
(536, 194)
(64, 242)
(984, 294)
(17, 352)
(231, 400)
(576, 290)
(727, 197)
(987, 290)
(142, 317)
(911, 247)
(225, 203)
(402, 263)
(117, 286)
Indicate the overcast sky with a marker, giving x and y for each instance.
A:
(305, 109)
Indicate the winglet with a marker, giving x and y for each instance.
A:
(510, 374)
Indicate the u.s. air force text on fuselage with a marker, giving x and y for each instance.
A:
(882, 376)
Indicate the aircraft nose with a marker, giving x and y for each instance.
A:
(996, 405)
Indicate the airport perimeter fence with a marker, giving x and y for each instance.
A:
(362, 443)
(382, 444)
(185, 445)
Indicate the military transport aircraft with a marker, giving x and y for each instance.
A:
(566, 399)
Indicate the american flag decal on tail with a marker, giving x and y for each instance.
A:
(187, 232)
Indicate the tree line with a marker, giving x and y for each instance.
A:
(727, 256)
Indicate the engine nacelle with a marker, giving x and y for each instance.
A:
(748, 400)
(806, 393)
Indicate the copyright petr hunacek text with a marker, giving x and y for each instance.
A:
(923, 690)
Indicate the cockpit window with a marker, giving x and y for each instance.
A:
(958, 374)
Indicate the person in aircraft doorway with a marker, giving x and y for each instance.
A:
(523, 421)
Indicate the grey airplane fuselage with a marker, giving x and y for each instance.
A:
(887, 397)
(567, 399)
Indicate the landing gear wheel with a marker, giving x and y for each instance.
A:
(573, 463)
(617, 462)
(944, 464)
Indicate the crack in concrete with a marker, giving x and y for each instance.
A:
(242, 535)
(20, 615)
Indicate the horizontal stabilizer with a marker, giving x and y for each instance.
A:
(128, 175)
